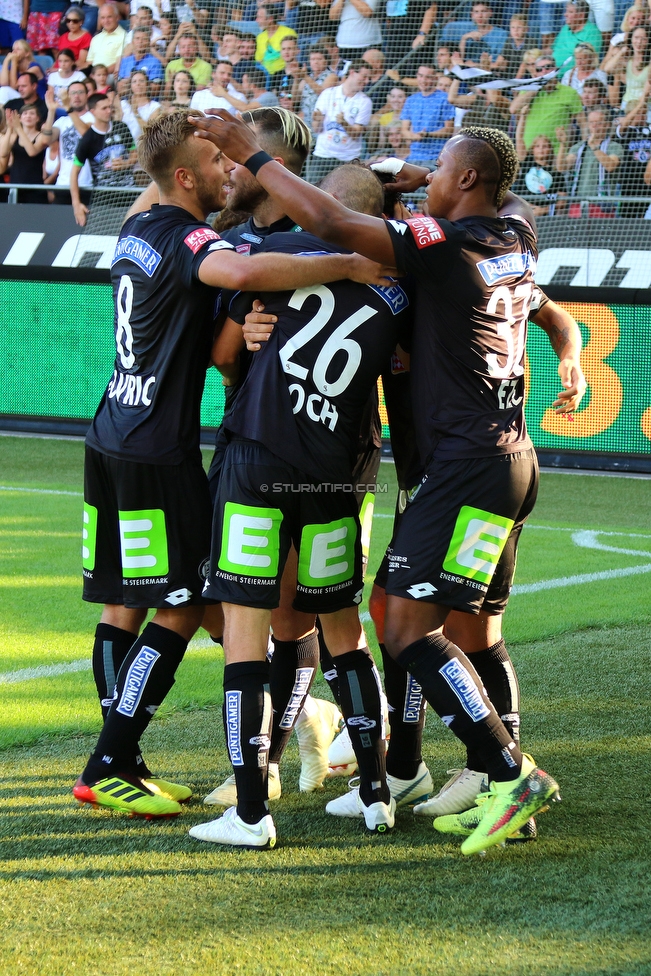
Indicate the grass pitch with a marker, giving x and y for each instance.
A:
(92, 891)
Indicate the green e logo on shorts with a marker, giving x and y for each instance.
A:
(250, 540)
(89, 537)
(143, 543)
(477, 543)
(327, 553)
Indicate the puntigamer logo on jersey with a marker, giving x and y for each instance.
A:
(138, 251)
(508, 266)
(426, 231)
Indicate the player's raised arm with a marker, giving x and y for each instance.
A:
(306, 204)
(565, 338)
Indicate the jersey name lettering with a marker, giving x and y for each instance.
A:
(197, 238)
(426, 231)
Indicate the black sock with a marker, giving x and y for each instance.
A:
(247, 725)
(453, 688)
(406, 718)
(110, 648)
(146, 676)
(291, 674)
(328, 666)
(495, 668)
(359, 687)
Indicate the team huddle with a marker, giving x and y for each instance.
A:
(302, 303)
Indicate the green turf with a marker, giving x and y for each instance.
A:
(87, 891)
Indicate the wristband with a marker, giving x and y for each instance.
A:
(254, 162)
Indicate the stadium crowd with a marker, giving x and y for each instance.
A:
(569, 82)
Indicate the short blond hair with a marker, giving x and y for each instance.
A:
(165, 144)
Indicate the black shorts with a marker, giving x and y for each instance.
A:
(146, 532)
(457, 540)
(382, 575)
(263, 506)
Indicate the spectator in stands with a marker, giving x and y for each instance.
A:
(634, 134)
(630, 67)
(288, 80)
(27, 88)
(603, 14)
(67, 132)
(551, 20)
(225, 47)
(144, 17)
(182, 90)
(634, 17)
(586, 67)
(528, 67)
(317, 78)
(312, 21)
(139, 105)
(64, 75)
(538, 176)
(221, 93)
(594, 95)
(336, 62)
(187, 29)
(484, 38)
(13, 22)
(547, 110)
(269, 40)
(245, 58)
(100, 77)
(22, 150)
(75, 38)
(590, 164)
(19, 61)
(254, 86)
(408, 25)
(359, 26)
(200, 70)
(577, 29)
(141, 60)
(43, 24)
(427, 118)
(510, 58)
(490, 107)
(109, 148)
(108, 46)
(389, 112)
(339, 120)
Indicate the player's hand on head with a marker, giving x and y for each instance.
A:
(234, 137)
(367, 272)
(258, 326)
(574, 383)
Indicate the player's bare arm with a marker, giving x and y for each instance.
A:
(565, 338)
(226, 351)
(307, 205)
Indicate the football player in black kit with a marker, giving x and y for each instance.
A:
(147, 510)
(455, 548)
(286, 479)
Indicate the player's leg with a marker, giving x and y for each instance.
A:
(455, 571)
(162, 524)
(115, 634)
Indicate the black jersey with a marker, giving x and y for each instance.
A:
(164, 323)
(306, 390)
(475, 285)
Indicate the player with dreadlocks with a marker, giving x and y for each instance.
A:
(455, 548)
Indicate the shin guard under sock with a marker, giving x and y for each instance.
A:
(328, 666)
(247, 725)
(453, 688)
(146, 676)
(291, 674)
(495, 668)
(359, 687)
(406, 718)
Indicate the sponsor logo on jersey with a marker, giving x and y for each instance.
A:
(398, 225)
(426, 231)
(179, 596)
(196, 239)
(393, 295)
(136, 679)
(243, 248)
(252, 238)
(138, 251)
(419, 590)
(507, 266)
(465, 689)
(233, 711)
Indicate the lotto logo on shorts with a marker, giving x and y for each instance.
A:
(477, 543)
(426, 231)
(250, 540)
(327, 553)
(136, 679)
(465, 689)
(143, 543)
(197, 238)
(89, 537)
